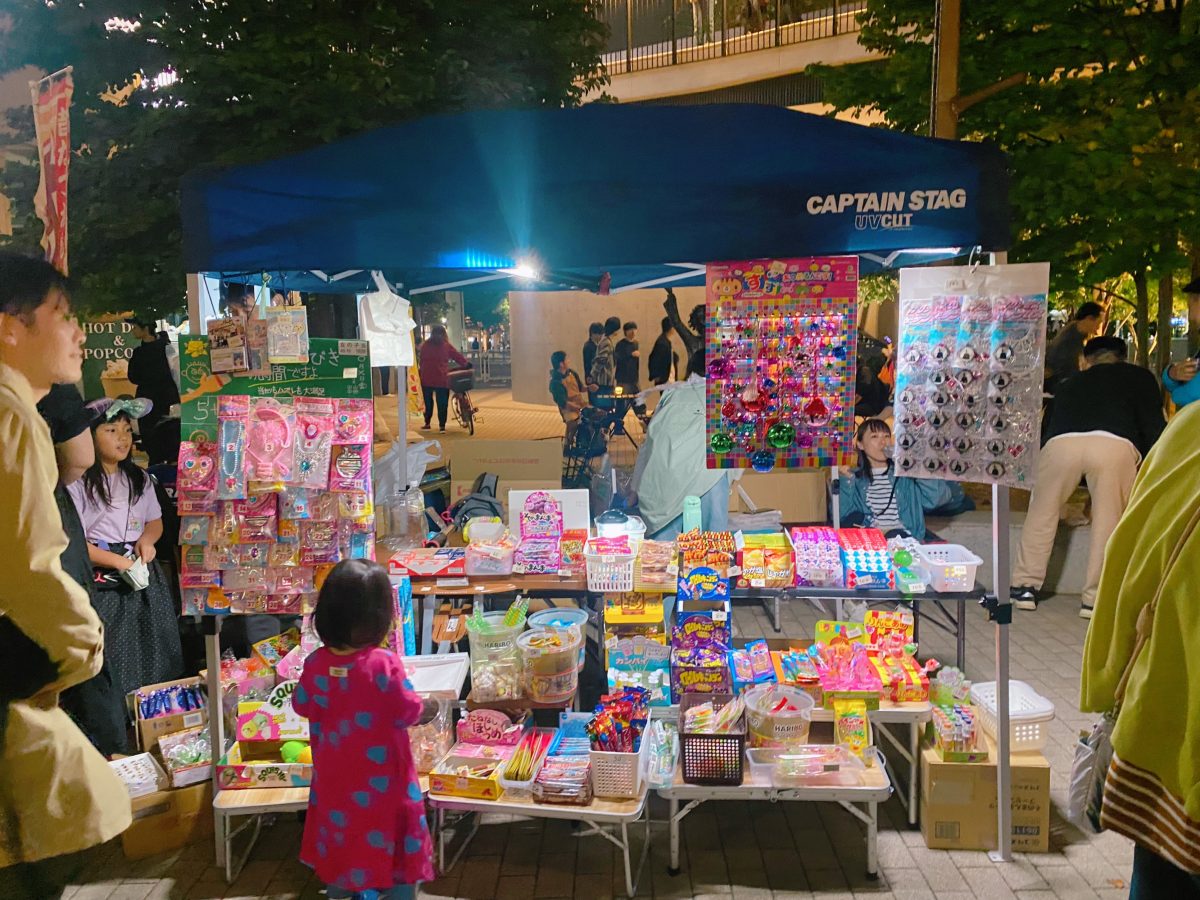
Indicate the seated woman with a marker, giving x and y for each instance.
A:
(671, 463)
(873, 497)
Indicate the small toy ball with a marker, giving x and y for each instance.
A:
(305, 757)
(721, 443)
(762, 460)
(290, 752)
(781, 435)
(904, 558)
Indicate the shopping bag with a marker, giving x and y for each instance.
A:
(1085, 790)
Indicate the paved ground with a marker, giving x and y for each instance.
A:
(757, 850)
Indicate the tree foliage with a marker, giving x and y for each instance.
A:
(256, 79)
(1103, 135)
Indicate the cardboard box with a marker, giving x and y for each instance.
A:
(429, 562)
(150, 730)
(168, 820)
(799, 495)
(958, 802)
(520, 465)
(257, 764)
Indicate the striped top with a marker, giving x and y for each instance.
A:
(1138, 806)
(881, 500)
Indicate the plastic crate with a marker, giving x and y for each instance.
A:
(1029, 714)
(711, 759)
(619, 776)
(609, 574)
(459, 380)
(951, 567)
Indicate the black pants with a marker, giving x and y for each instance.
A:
(442, 395)
(1155, 877)
(44, 880)
(385, 373)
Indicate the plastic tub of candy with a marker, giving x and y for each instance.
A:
(561, 618)
(777, 716)
(433, 740)
(826, 765)
(550, 663)
(491, 557)
(495, 658)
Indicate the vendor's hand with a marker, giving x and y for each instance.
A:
(593, 387)
(145, 550)
(1183, 371)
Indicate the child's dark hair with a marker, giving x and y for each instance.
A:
(869, 426)
(95, 485)
(355, 608)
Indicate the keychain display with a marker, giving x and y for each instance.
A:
(969, 371)
(780, 353)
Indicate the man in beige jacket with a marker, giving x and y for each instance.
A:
(57, 794)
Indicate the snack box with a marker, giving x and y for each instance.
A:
(765, 561)
(273, 719)
(703, 583)
(259, 765)
(700, 670)
(453, 775)
(429, 562)
(901, 679)
(808, 680)
(150, 730)
(701, 623)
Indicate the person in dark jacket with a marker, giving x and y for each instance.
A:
(1103, 422)
(627, 359)
(663, 360)
(595, 333)
(96, 705)
(151, 373)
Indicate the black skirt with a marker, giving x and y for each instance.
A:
(141, 633)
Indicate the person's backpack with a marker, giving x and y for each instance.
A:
(482, 501)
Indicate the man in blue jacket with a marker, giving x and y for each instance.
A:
(1180, 379)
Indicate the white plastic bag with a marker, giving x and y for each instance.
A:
(387, 467)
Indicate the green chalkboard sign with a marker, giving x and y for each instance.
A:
(105, 343)
(337, 369)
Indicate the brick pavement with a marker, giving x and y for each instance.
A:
(730, 850)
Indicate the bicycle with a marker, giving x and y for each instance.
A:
(461, 381)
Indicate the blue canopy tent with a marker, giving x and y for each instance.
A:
(572, 194)
(601, 197)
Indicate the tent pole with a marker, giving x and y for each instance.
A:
(1001, 574)
(402, 424)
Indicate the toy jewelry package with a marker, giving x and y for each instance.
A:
(969, 372)
(780, 341)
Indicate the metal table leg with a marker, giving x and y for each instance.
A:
(216, 727)
(961, 630)
(674, 818)
(873, 841)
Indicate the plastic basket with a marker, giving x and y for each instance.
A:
(619, 776)
(609, 574)
(461, 380)
(1029, 714)
(951, 567)
(522, 790)
(711, 759)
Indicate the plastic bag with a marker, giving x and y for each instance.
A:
(387, 468)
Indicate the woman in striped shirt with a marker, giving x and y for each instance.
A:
(873, 497)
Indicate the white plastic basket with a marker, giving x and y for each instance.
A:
(619, 776)
(950, 567)
(1029, 714)
(609, 574)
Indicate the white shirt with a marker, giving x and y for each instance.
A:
(881, 499)
(385, 321)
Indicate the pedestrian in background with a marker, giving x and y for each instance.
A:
(435, 357)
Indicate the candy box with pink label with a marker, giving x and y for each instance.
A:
(273, 719)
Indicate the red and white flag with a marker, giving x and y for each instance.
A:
(52, 119)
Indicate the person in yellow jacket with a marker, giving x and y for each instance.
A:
(1147, 620)
(58, 795)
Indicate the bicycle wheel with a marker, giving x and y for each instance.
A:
(465, 411)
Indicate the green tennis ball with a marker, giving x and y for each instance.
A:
(290, 752)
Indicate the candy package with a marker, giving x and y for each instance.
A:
(851, 727)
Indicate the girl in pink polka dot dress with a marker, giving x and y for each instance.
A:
(365, 834)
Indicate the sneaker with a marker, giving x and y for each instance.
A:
(1085, 611)
(1025, 598)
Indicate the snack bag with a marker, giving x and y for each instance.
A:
(852, 728)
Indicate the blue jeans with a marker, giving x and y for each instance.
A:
(1155, 878)
(714, 513)
(399, 892)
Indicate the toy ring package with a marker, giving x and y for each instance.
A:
(969, 372)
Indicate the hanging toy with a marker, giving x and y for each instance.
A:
(816, 412)
(762, 460)
(753, 400)
(781, 435)
(721, 367)
(721, 443)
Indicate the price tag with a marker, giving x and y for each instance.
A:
(453, 583)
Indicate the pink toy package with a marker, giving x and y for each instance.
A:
(197, 466)
(270, 435)
(350, 469)
(354, 422)
(315, 425)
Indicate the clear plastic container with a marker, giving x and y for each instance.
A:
(432, 741)
(769, 726)
(805, 765)
(559, 618)
(495, 658)
(551, 663)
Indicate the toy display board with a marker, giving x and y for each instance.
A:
(274, 481)
(780, 353)
(969, 372)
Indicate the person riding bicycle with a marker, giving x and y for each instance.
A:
(435, 357)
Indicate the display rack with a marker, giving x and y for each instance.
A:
(861, 801)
